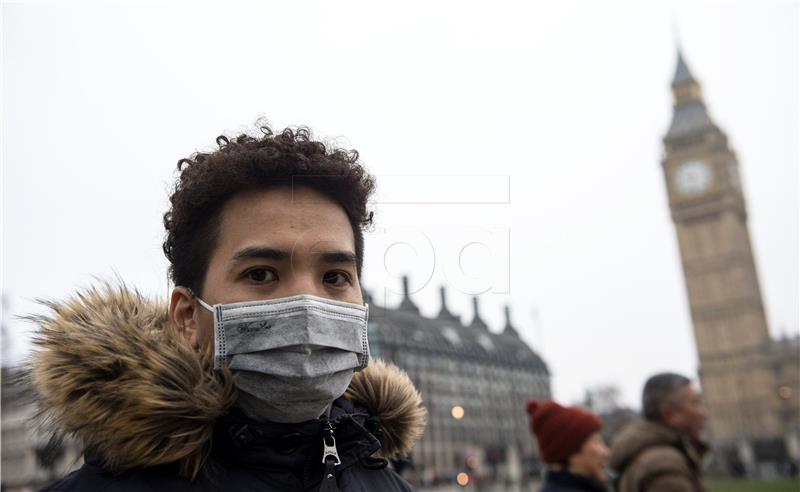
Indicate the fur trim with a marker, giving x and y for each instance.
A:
(109, 369)
(386, 391)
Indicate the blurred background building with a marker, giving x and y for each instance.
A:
(30, 458)
(749, 380)
(474, 382)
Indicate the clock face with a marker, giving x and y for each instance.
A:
(693, 177)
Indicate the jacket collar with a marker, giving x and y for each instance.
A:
(109, 369)
(572, 481)
(295, 448)
(694, 449)
(644, 434)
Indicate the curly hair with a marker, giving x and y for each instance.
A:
(208, 180)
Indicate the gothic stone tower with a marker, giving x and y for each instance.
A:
(730, 327)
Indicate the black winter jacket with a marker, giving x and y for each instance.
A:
(261, 457)
(564, 481)
(110, 371)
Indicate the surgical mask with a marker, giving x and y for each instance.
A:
(290, 357)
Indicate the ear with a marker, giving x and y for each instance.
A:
(184, 315)
(668, 414)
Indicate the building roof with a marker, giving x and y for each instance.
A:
(477, 322)
(688, 119)
(444, 313)
(509, 329)
(407, 304)
(785, 346)
(410, 332)
(690, 115)
(399, 330)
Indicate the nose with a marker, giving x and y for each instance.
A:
(303, 283)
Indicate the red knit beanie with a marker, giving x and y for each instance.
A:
(560, 431)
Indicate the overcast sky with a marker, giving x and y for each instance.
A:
(517, 147)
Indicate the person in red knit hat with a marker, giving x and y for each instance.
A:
(571, 445)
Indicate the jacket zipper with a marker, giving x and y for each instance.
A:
(329, 445)
(330, 457)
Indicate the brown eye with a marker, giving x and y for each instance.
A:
(261, 275)
(336, 279)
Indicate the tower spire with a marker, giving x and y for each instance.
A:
(509, 328)
(689, 116)
(477, 322)
(445, 313)
(407, 304)
(682, 73)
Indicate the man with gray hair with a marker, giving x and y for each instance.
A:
(663, 452)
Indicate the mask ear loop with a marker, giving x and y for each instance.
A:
(364, 356)
(200, 301)
(219, 348)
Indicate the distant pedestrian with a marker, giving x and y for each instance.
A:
(570, 445)
(664, 452)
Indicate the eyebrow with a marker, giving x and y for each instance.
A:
(261, 252)
(337, 257)
(267, 253)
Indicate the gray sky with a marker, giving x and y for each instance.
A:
(544, 120)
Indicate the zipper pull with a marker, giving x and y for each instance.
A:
(330, 456)
(329, 446)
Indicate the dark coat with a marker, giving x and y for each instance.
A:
(261, 457)
(109, 370)
(651, 457)
(564, 481)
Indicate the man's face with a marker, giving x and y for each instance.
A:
(689, 415)
(274, 243)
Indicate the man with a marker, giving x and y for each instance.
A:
(663, 453)
(237, 384)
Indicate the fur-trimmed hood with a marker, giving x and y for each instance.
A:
(109, 369)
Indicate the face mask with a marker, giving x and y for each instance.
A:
(290, 357)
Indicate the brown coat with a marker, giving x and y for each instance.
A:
(651, 457)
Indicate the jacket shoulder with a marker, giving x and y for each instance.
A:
(554, 487)
(661, 468)
(87, 478)
(92, 478)
(385, 480)
(662, 459)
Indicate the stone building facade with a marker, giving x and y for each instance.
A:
(749, 380)
(474, 383)
(31, 458)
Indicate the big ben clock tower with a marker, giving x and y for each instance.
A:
(730, 328)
